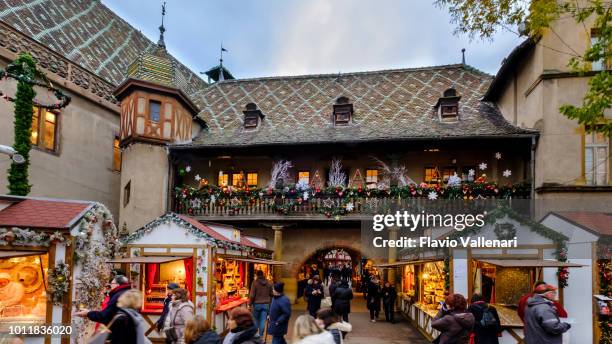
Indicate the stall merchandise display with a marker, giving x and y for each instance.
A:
(432, 285)
(23, 295)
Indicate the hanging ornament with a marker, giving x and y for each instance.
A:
(507, 173)
(498, 155)
(482, 166)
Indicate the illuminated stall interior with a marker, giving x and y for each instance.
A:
(234, 277)
(503, 285)
(23, 283)
(157, 276)
(424, 283)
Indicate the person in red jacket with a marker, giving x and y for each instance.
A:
(538, 287)
(107, 290)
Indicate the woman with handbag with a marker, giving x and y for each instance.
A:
(181, 311)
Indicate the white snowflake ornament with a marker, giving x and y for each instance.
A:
(305, 196)
(432, 195)
(498, 156)
(482, 166)
(350, 206)
(471, 172)
(507, 173)
(188, 169)
(197, 177)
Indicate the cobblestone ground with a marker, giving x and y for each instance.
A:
(366, 332)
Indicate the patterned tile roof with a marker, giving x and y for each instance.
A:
(390, 104)
(43, 213)
(600, 223)
(89, 34)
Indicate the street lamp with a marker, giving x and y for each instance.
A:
(12, 153)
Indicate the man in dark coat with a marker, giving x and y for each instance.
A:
(342, 297)
(484, 333)
(119, 285)
(389, 295)
(347, 273)
(314, 294)
(162, 318)
(280, 312)
(542, 324)
(373, 299)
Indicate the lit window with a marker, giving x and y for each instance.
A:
(44, 129)
(154, 110)
(447, 172)
(252, 179)
(432, 175)
(116, 155)
(596, 153)
(371, 177)
(223, 179)
(304, 177)
(237, 179)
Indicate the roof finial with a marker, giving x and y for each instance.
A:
(463, 56)
(162, 29)
(221, 76)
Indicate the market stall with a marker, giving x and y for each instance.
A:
(214, 263)
(49, 250)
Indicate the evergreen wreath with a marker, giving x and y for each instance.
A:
(59, 282)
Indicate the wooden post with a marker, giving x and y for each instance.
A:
(392, 255)
(278, 251)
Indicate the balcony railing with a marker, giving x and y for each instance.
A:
(338, 203)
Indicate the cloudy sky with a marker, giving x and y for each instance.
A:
(292, 37)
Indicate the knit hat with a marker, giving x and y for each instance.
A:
(279, 287)
(172, 286)
(242, 316)
(544, 288)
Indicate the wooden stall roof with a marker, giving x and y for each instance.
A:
(260, 261)
(147, 259)
(538, 263)
(11, 254)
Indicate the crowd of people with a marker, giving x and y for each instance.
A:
(269, 313)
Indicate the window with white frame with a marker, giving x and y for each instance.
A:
(596, 158)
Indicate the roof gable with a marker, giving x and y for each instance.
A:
(392, 104)
(43, 213)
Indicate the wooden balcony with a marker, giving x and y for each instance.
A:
(347, 205)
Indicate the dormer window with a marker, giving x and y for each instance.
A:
(448, 105)
(343, 111)
(252, 115)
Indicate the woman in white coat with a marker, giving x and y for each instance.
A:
(306, 331)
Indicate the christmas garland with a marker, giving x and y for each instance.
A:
(26, 237)
(59, 282)
(604, 268)
(337, 201)
(447, 273)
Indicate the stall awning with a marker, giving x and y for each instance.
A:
(405, 262)
(12, 254)
(529, 263)
(146, 259)
(258, 261)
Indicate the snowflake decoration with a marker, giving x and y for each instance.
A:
(454, 180)
(261, 194)
(350, 206)
(328, 203)
(498, 156)
(197, 178)
(432, 195)
(305, 196)
(482, 166)
(188, 169)
(507, 173)
(471, 172)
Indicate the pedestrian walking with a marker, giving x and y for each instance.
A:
(107, 289)
(181, 311)
(127, 326)
(159, 324)
(373, 295)
(542, 324)
(307, 331)
(118, 285)
(487, 325)
(242, 328)
(198, 331)
(389, 295)
(260, 298)
(330, 321)
(314, 294)
(280, 312)
(522, 304)
(453, 321)
(341, 300)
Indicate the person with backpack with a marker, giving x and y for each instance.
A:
(181, 311)
(280, 312)
(127, 325)
(328, 320)
(542, 324)
(487, 325)
(453, 321)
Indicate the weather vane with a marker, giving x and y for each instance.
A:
(162, 29)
